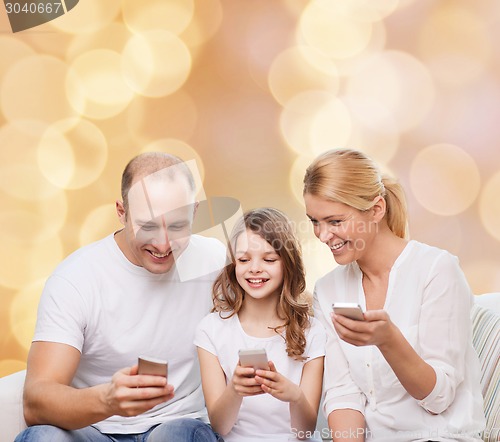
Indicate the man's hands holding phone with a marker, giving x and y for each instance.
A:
(131, 393)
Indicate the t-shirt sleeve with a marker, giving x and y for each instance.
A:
(203, 337)
(316, 340)
(61, 314)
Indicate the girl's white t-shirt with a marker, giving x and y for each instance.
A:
(261, 417)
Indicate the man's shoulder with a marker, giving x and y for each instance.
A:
(210, 244)
(84, 256)
(203, 259)
(216, 321)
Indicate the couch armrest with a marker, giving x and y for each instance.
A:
(486, 341)
(11, 405)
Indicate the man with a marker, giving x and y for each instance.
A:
(119, 298)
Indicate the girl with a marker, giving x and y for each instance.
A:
(407, 371)
(257, 304)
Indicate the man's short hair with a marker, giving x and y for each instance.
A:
(148, 163)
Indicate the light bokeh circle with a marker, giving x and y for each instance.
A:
(88, 16)
(72, 154)
(145, 15)
(156, 63)
(399, 82)
(364, 11)
(335, 35)
(489, 206)
(296, 176)
(113, 37)
(101, 84)
(42, 97)
(12, 50)
(444, 179)
(374, 130)
(99, 223)
(25, 222)
(21, 177)
(22, 262)
(206, 21)
(483, 275)
(178, 117)
(296, 70)
(314, 121)
(464, 49)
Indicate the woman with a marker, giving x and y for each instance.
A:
(408, 371)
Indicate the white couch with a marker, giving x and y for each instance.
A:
(486, 333)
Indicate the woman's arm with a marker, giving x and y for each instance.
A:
(416, 376)
(224, 400)
(346, 425)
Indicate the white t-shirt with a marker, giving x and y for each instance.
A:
(429, 300)
(113, 311)
(261, 417)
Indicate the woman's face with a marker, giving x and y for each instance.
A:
(347, 231)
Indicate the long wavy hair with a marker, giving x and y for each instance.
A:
(228, 296)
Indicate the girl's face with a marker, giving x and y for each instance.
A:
(348, 232)
(259, 269)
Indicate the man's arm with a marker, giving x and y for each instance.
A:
(49, 398)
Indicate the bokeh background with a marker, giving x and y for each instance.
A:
(251, 90)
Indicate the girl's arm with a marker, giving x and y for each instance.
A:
(346, 425)
(303, 399)
(224, 400)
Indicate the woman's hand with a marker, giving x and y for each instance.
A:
(278, 385)
(377, 329)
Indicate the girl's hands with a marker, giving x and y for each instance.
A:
(377, 329)
(278, 385)
(244, 382)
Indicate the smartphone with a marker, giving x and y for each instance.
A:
(350, 310)
(152, 366)
(256, 358)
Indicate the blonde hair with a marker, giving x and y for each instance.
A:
(228, 296)
(348, 176)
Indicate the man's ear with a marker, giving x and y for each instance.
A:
(379, 208)
(121, 212)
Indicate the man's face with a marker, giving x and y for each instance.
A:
(158, 222)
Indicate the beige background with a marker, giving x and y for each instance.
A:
(252, 90)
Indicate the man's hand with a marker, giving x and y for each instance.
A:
(130, 394)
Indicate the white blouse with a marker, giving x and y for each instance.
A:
(429, 300)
